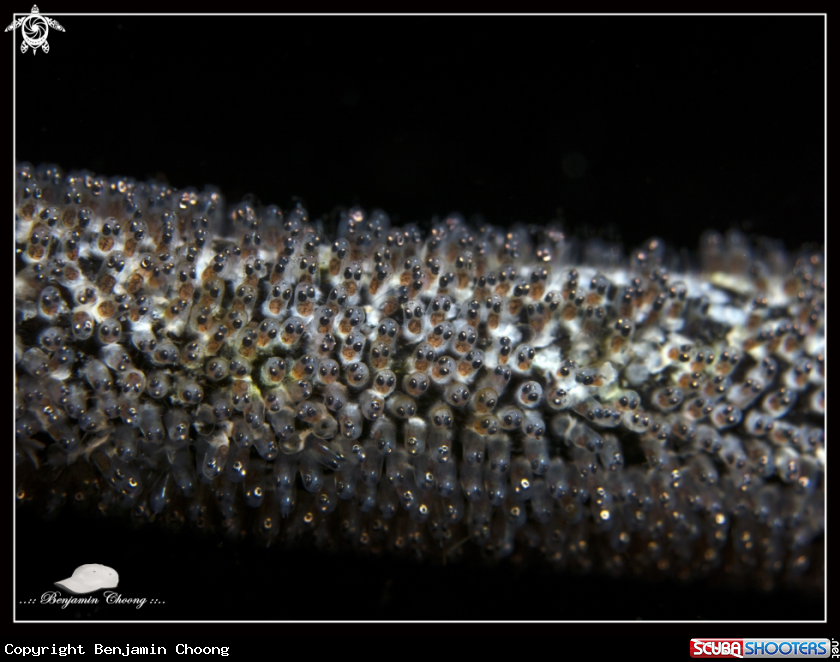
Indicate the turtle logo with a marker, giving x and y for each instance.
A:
(34, 29)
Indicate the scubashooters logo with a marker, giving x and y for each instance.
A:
(34, 29)
(751, 648)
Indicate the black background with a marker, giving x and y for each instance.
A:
(633, 126)
(665, 125)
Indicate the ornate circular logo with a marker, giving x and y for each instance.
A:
(34, 28)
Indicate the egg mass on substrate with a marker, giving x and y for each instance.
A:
(469, 390)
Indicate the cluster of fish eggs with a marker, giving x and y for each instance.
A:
(510, 391)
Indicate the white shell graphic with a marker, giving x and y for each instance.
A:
(34, 29)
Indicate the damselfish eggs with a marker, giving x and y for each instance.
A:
(470, 390)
